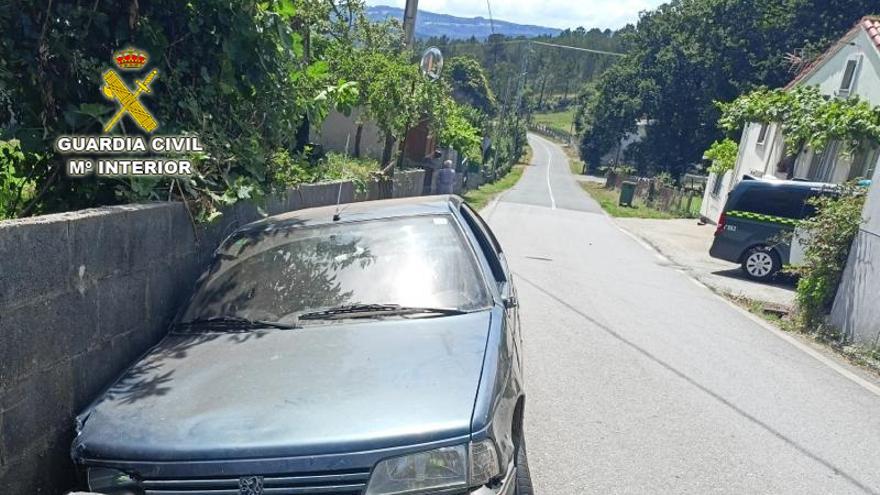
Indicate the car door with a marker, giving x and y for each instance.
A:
(501, 272)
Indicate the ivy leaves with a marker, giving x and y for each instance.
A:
(723, 155)
(807, 117)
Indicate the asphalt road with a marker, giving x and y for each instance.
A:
(640, 380)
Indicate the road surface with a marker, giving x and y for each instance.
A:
(640, 380)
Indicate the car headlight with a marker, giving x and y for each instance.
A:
(484, 463)
(416, 473)
(113, 482)
(459, 466)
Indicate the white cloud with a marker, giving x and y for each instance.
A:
(553, 13)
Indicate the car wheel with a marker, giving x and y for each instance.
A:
(760, 263)
(523, 475)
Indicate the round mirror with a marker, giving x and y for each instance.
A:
(432, 63)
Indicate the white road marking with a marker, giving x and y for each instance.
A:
(549, 164)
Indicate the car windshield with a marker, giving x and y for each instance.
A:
(275, 275)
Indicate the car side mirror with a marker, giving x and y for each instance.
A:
(511, 302)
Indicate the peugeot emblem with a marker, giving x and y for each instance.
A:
(250, 485)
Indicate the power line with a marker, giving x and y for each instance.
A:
(554, 45)
(590, 50)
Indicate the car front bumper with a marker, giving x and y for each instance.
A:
(507, 486)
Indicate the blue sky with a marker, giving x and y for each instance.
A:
(553, 13)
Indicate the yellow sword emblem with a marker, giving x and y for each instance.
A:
(116, 89)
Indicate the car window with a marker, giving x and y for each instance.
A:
(777, 202)
(419, 261)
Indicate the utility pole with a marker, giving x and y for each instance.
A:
(386, 186)
(409, 22)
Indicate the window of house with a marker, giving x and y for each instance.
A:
(863, 163)
(822, 165)
(762, 134)
(716, 184)
(849, 76)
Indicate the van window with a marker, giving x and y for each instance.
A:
(777, 202)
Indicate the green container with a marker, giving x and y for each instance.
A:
(627, 193)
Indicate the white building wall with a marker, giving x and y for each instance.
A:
(757, 160)
(338, 132)
(856, 311)
(713, 204)
(867, 80)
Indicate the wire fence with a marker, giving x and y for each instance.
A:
(554, 133)
(682, 199)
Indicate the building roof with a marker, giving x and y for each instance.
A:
(870, 24)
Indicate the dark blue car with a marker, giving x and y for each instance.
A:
(371, 348)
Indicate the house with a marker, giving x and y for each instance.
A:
(851, 67)
(617, 154)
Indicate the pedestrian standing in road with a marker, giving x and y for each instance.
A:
(446, 178)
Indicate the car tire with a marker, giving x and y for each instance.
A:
(523, 475)
(761, 263)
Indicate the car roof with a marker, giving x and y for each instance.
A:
(784, 184)
(358, 211)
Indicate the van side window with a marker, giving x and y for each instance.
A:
(777, 202)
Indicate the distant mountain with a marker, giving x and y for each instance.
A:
(429, 24)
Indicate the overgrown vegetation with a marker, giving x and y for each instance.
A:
(480, 197)
(830, 233)
(807, 117)
(687, 54)
(248, 78)
(609, 199)
(723, 156)
(555, 75)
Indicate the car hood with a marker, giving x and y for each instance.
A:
(327, 388)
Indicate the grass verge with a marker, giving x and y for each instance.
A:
(561, 121)
(480, 197)
(608, 200)
(867, 358)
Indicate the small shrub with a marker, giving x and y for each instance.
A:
(830, 234)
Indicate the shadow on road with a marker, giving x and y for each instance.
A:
(769, 429)
(782, 281)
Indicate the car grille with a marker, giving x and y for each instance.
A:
(330, 483)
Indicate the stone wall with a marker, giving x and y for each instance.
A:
(83, 294)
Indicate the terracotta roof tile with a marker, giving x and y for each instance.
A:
(871, 25)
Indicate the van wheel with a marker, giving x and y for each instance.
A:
(761, 263)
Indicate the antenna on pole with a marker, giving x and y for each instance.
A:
(336, 216)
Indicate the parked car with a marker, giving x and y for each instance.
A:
(371, 348)
(758, 226)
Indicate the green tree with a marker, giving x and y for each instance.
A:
(469, 84)
(687, 54)
(238, 74)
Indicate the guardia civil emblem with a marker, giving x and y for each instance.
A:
(115, 88)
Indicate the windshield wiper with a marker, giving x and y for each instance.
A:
(230, 323)
(374, 310)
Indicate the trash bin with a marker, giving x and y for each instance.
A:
(627, 192)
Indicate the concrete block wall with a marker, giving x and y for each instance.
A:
(856, 311)
(83, 294)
